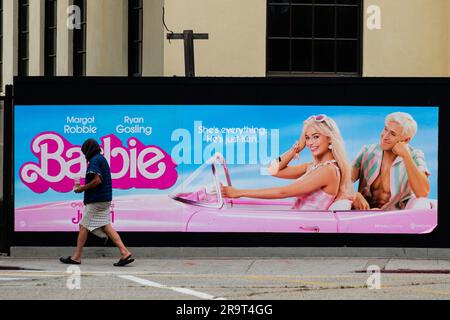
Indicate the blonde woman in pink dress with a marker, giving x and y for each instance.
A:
(318, 183)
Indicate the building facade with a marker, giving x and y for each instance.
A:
(251, 38)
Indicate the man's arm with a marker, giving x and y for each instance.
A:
(357, 164)
(417, 179)
(359, 202)
(94, 183)
(355, 174)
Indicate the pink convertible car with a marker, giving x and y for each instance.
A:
(208, 211)
(198, 206)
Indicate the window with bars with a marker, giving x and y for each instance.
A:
(314, 37)
(135, 31)
(79, 41)
(50, 38)
(23, 54)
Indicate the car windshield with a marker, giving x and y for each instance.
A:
(202, 187)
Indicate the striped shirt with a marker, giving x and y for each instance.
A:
(368, 163)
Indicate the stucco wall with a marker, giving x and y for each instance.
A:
(413, 40)
(153, 38)
(107, 38)
(237, 37)
(36, 37)
(64, 42)
(10, 42)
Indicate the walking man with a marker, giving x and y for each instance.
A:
(97, 200)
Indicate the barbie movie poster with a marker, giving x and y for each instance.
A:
(187, 168)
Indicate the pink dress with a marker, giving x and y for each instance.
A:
(319, 199)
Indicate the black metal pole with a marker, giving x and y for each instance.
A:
(189, 53)
(188, 36)
(3, 228)
(8, 188)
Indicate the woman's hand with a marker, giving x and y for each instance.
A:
(230, 192)
(296, 148)
(299, 145)
(302, 141)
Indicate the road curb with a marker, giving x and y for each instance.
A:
(237, 252)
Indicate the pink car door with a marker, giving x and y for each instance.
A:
(261, 218)
(398, 221)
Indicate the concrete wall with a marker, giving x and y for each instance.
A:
(36, 40)
(107, 38)
(64, 42)
(413, 40)
(237, 37)
(10, 29)
(153, 39)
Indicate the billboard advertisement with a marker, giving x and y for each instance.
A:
(232, 168)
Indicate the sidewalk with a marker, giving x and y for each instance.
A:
(224, 278)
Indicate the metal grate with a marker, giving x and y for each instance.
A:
(23, 54)
(135, 37)
(314, 37)
(79, 41)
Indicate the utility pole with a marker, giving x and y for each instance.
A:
(188, 36)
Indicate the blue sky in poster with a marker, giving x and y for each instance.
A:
(358, 125)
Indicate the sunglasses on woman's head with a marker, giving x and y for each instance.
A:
(317, 118)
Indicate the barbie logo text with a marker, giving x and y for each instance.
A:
(132, 166)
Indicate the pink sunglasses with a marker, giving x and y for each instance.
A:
(318, 118)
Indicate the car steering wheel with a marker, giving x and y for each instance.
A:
(219, 158)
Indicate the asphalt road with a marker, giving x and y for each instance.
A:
(229, 279)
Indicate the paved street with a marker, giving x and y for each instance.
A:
(230, 279)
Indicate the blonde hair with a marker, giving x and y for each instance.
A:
(404, 119)
(329, 128)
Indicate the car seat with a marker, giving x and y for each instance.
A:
(421, 203)
(341, 205)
